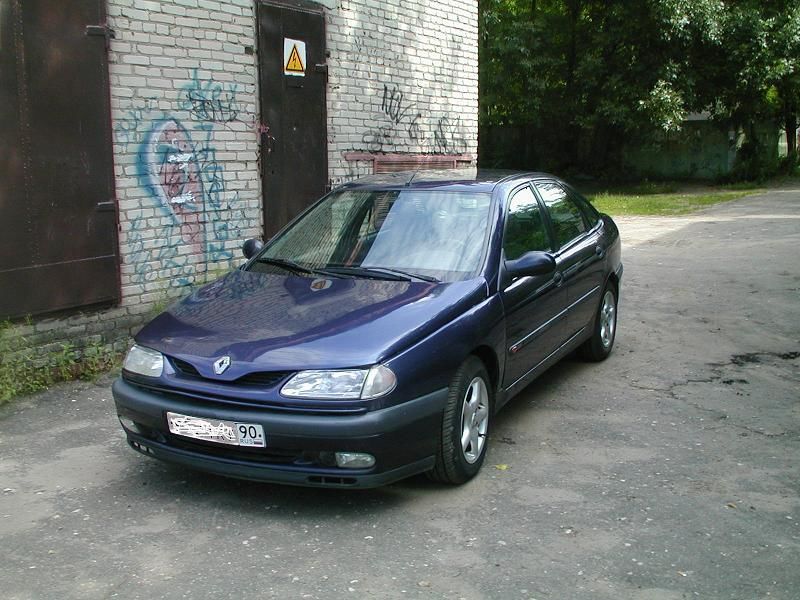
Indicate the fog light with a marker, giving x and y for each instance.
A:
(129, 424)
(354, 460)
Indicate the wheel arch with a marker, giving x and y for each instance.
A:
(489, 359)
(614, 278)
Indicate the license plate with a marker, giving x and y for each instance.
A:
(214, 430)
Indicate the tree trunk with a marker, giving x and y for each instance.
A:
(789, 120)
(790, 126)
(572, 132)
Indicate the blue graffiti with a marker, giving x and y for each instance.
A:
(178, 167)
(211, 102)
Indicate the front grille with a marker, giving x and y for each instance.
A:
(184, 368)
(256, 378)
(265, 378)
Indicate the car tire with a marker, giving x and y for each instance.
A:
(604, 327)
(465, 424)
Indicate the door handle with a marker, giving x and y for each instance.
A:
(558, 278)
(599, 251)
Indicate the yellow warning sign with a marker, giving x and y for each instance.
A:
(295, 65)
(294, 57)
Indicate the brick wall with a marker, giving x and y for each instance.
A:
(403, 78)
(184, 109)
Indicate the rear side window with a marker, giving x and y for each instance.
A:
(565, 215)
(525, 229)
(590, 213)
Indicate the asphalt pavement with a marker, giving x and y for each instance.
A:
(669, 471)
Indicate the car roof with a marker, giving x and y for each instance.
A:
(463, 179)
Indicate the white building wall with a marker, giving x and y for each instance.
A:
(403, 78)
(184, 81)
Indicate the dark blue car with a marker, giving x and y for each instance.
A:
(378, 333)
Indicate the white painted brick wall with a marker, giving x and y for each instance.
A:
(403, 77)
(185, 116)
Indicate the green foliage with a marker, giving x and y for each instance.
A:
(25, 369)
(585, 77)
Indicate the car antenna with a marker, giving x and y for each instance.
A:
(414, 174)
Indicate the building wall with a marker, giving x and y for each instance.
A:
(403, 78)
(184, 109)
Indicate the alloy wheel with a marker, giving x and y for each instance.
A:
(474, 420)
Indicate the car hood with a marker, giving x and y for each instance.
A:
(271, 322)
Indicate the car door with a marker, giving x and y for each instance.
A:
(579, 254)
(533, 305)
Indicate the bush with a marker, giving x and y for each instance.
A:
(753, 162)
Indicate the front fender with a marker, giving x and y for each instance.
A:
(429, 364)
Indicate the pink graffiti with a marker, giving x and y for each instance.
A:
(175, 179)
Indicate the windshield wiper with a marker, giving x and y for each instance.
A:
(290, 265)
(381, 273)
(394, 271)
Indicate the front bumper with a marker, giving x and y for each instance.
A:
(403, 439)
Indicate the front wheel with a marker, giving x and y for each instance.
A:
(465, 425)
(599, 346)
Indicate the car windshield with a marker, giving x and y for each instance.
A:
(409, 234)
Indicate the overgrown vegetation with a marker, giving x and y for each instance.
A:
(25, 369)
(586, 78)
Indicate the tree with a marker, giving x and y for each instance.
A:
(585, 77)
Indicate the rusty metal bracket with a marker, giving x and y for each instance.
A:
(103, 31)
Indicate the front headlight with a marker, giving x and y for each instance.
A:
(144, 361)
(341, 385)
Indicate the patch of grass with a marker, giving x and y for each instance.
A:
(638, 188)
(27, 369)
(660, 204)
(742, 185)
(648, 188)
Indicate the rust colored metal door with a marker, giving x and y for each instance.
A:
(58, 223)
(293, 78)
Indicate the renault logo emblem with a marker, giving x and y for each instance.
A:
(222, 364)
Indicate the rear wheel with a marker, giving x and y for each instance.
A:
(599, 346)
(465, 425)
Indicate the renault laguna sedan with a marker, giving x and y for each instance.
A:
(378, 333)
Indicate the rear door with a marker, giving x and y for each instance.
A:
(579, 254)
(533, 305)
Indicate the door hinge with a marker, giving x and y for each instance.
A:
(105, 206)
(103, 31)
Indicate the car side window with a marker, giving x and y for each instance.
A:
(565, 215)
(525, 230)
(590, 213)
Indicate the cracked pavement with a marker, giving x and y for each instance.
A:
(669, 471)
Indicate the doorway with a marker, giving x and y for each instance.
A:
(293, 80)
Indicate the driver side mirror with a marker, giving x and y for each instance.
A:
(531, 264)
(252, 247)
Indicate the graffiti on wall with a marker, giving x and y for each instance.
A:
(406, 127)
(177, 166)
(210, 101)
